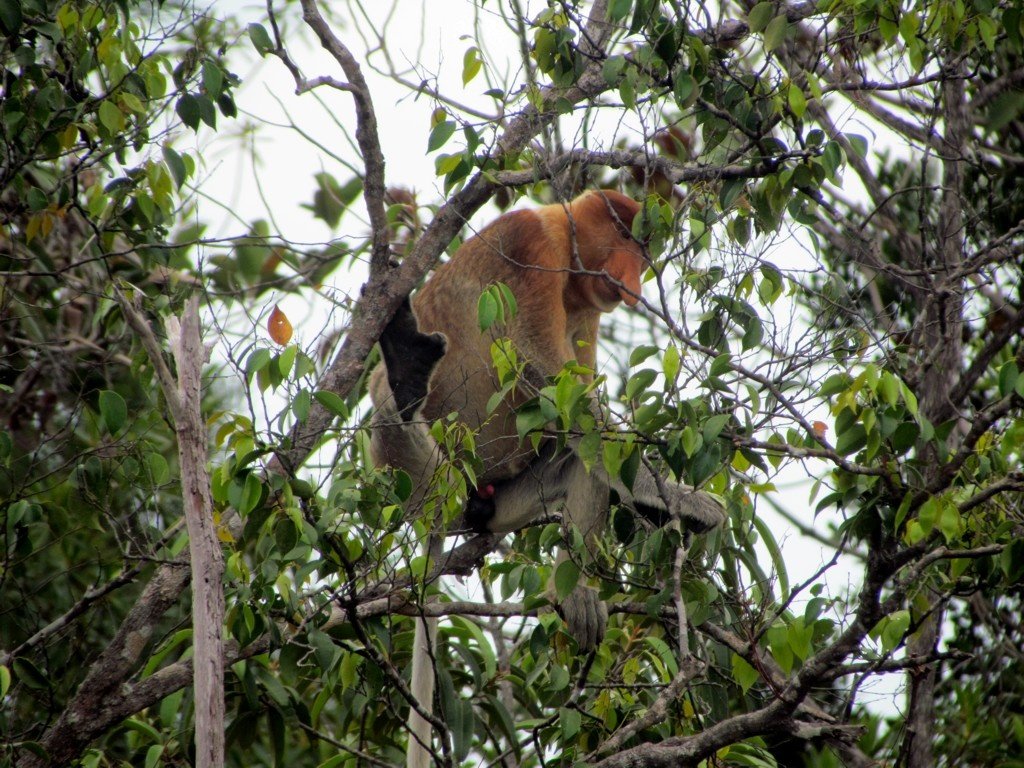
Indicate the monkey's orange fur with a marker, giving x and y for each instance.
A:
(566, 264)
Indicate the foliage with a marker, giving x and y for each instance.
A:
(829, 297)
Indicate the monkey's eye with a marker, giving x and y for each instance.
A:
(626, 233)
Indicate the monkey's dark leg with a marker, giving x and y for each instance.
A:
(658, 516)
(480, 508)
(410, 357)
(507, 505)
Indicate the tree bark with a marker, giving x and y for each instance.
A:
(204, 544)
(941, 328)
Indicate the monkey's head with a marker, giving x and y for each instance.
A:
(603, 221)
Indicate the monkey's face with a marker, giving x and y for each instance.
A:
(605, 245)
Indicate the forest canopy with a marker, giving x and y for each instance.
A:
(200, 564)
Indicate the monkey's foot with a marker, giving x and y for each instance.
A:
(585, 616)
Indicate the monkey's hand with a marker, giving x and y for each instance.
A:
(410, 357)
(585, 616)
(698, 512)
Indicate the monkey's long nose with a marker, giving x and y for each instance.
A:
(630, 290)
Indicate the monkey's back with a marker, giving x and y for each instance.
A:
(513, 250)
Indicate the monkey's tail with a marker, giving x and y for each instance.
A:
(424, 644)
(417, 754)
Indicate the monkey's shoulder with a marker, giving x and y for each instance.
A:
(525, 238)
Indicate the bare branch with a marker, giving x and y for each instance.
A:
(204, 544)
(366, 135)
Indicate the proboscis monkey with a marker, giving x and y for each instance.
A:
(565, 264)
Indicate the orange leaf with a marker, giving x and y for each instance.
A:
(279, 327)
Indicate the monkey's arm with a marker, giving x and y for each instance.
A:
(410, 358)
(397, 389)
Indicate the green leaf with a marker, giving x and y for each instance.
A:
(612, 70)
(630, 466)
(743, 673)
(797, 100)
(670, 363)
(759, 16)
(111, 117)
(226, 105)
(301, 403)
(28, 674)
(158, 469)
(1008, 376)
(251, 493)
(403, 485)
(887, 27)
(1011, 561)
(257, 361)
(753, 335)
(440, 135)
(589, 448)
(260, 39)
(769, 543)
(720, 365)
(950, 522)
(508, 299)
(349, 669)
(471, 65)
(113, 410)
(834, 384)
(213, 79)
(486, 310)
(778, 641)
(640, 382)
(529, 418)
(641, 353)
(799, 636)
(925, 522)
(851, 440)
(775, 33)
(690, 440)
(832, 160)
(858, 144)
(10, 16)
(909, 24)
(619, 9)
(567, 575)
(888, 388)
(713, 426)
(37, 200)
(891, 629)
(189, 111)
(5, 681)
(332, 402)
(142, 728)
(462, 730)
(286, 360)
(207, 111)
(730, 192)
(685, 89)
(570, 721)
